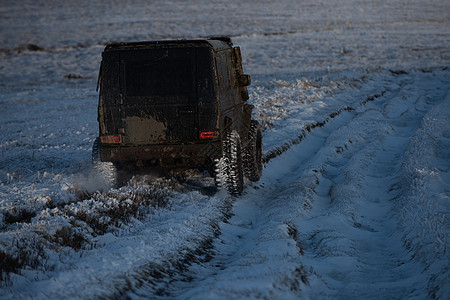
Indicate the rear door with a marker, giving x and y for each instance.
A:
(158, 96)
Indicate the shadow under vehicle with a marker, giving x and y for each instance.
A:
(178, 105)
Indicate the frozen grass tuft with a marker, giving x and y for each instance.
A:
(18, 215)
(9, 263)
(71, 227)
(22, 252)
(108, 210)
(67, 237)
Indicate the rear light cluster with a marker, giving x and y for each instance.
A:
(205, 135)
(111, 139)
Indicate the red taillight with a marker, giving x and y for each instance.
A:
(208, 134)
(110, 139)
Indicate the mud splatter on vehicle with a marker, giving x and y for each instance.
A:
(178, 105)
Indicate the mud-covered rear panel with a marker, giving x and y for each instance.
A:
(159, 96)
(156, 95)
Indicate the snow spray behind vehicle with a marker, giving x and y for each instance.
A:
(178, 104)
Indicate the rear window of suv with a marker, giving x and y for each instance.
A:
(160, 77)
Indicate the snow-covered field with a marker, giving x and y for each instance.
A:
(354, 198)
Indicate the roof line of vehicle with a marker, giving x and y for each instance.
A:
(217, 44)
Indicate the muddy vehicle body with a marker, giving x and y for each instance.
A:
(178, 105)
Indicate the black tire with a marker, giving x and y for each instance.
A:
(229, 173)
(253, 152)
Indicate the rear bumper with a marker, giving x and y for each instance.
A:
(185, 155)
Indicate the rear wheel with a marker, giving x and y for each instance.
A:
(229, 173)
(253, 152)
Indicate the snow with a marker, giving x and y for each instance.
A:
(354, 100)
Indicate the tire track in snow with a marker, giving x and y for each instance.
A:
(250, 238)
(156, 279)
(357, 249)
(277, 151)
(324, 226)
(165, 280)
(308, 210)
(292, 279)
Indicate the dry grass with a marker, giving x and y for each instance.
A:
(74, 224)
(21, 215)
(9, 263)
(125, 205)
(294, 280)
(293, 233)
(67, 237)
(24, 252)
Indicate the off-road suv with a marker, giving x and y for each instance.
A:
(178, 105)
